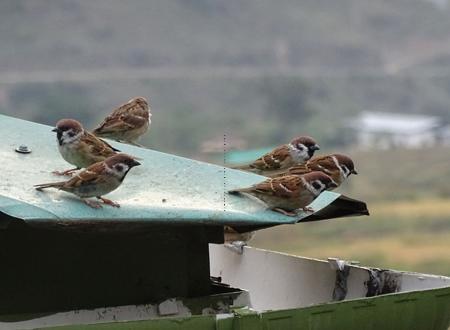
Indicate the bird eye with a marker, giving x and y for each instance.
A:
(345, 170)
(119, 168)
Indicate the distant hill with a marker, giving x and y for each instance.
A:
(321, 34)
(259, 70)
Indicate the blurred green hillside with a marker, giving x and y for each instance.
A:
(259, 70)
(408, 197)
(326, 34)
(262, 72)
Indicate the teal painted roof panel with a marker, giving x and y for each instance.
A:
(245, 156)
(165, 189)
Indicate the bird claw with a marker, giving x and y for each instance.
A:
(109, 202)
(307, 209)
(94, 205)
(136, 144)
(284, 212)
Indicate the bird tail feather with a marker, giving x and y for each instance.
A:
(236, 192)
(241, 167)
(49, 185)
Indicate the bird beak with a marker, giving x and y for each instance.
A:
(315, 147)
(333, 184)
(135, 163)
(56, 129)
(354, 172)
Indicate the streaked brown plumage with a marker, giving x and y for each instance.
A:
(79, 147)
(289, 193)
(97, 180)
(126, 123)
(338, 166)
(279, 159)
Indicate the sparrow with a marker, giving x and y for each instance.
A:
(338, 166)
(288, 193)
(97, 180)
(79, 147)
(127, 123)
(231, 235)
(298, 151)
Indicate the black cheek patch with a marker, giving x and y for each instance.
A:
(59, 137)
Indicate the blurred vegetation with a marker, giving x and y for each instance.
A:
(47, 103)
(333, 60)
(402, 235)
(290, 68)
(62, 34)
(408, 227)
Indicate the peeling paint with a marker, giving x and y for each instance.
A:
(340, 287)
(382, 282)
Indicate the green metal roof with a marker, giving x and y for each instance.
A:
(165, 189)
(246, 156)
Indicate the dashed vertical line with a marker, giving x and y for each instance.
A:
(224, 171)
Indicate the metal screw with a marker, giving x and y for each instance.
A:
(23, 149)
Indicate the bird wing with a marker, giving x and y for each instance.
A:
(285, 187)
(97, 146)
(323, 164)
(128, 116)
(273, 160)
(90, 176)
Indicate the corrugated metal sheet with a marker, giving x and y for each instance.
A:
(165, 189)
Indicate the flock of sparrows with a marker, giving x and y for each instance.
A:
(104, 166)
(296, 178)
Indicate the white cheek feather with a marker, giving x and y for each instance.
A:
(116, 172)
(297, 154)
(70, 139)
(310, 187)
(341, 171)
(108, 169)
(322, 187)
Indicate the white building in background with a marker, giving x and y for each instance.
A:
(382, 130)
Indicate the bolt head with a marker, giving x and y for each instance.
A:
(23, 149)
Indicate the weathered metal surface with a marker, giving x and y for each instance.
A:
(429, 310)
(281, 281)
(291, 293)
(165, 189)
(222, 303)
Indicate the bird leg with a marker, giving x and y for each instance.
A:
(93, 204)
(67, 172)
(288, 213)
(135, 144)
(308, 209)
(108, 201)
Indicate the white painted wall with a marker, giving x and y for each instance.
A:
(280, 281)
